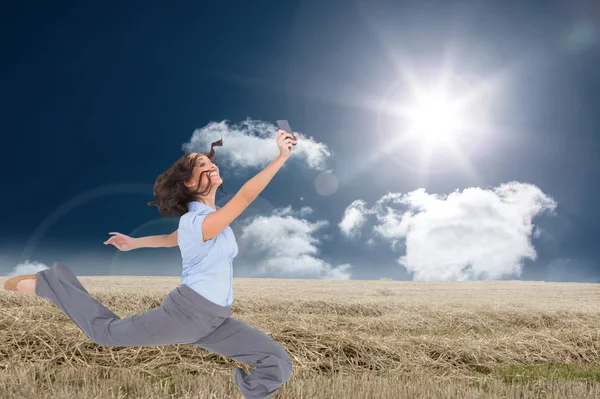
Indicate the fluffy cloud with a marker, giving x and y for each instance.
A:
(251, 144)
(286, 245)
(288, 211)
(473, 234)
(354, 218)
(28, 268)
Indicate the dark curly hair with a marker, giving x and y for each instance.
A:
(171, 193)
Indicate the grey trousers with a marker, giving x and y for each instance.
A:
(185, 317)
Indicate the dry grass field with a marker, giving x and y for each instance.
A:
(347, 340)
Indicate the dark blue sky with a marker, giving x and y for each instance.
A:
(98, 98)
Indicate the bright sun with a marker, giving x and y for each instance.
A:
(436, 122)
(434, 118)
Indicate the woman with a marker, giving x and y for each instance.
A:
(198, 311)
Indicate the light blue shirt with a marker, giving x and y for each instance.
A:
(207, 266)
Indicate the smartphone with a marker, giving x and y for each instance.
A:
(284, 125)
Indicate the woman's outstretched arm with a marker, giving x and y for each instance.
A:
(126, 243)
(216, 221)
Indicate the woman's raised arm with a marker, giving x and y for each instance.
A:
(216, 221)
(126, 243)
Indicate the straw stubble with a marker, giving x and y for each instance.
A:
(347, 339)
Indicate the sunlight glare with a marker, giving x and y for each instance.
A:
(434, 117)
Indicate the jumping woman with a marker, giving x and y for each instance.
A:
(197, 311)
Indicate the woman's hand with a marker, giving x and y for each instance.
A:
(121, 241)
(285, 143)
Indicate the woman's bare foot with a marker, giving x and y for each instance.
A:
(27, 286)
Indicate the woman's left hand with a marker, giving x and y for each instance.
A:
(121, 241)
(285, 141)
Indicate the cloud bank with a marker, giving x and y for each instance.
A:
(468, 235)
(285, 244)
(251, 144)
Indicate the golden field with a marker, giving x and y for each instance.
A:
(347, 339)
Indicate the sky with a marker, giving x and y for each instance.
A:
(444, 140)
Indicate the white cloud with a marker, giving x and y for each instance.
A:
(288, 211)
(287, 246)
(251, 144)
(355, 216)
(27, 268)
(283, 211)
(473, 234)
(340, 272)
(305, 211)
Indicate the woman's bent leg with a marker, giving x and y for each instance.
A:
(237, 340)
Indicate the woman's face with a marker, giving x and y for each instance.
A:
(204, 164)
